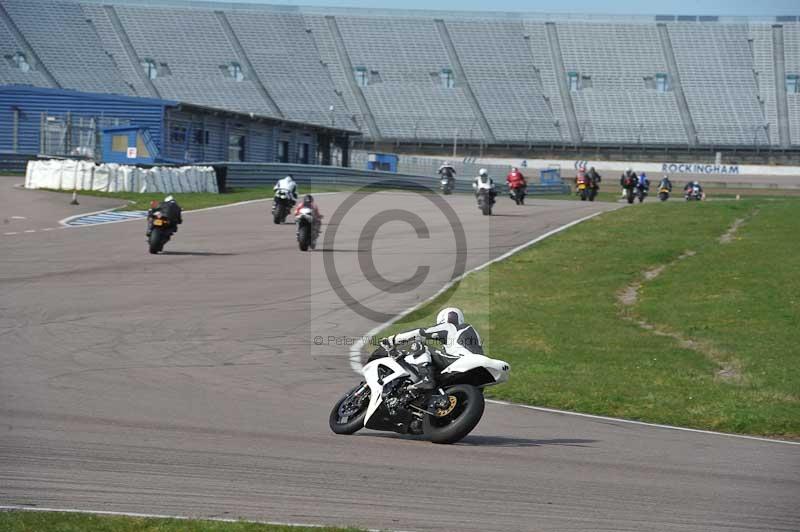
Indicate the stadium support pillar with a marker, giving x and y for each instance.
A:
(677, 87)
(15, 130)
(780, 86)
(561, 76)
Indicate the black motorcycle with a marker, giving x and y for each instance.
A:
(518, 195)
(448, 184)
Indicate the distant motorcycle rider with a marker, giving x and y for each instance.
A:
(594, 178)
(446, 171)
(628, 180)
(665, 183)
(169, 209)
(289, 185)
(644, 183)
(687, 190)
(484, 182)
(454, 335)
(515, 180)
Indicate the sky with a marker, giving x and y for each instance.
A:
(619, 7)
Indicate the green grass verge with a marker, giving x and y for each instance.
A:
(23, 521)
(553, 312)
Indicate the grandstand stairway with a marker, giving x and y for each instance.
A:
(36, 62)
(341, 50)
(241, 55)
(780, 86)
(455, 62)
(130, 52)
(561, 75)
(677, 88)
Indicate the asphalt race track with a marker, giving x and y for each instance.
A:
(191, 383)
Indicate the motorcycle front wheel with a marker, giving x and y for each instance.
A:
(459, 418)
(304, 237)
(347, 415)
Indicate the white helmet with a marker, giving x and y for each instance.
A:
(628, 170)
(446, 163)
(168, 199)
(450, 315)
(483, 171)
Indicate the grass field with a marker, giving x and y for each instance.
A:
(23, 521)
(711, 341)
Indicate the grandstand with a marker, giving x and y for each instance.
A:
(427, 78)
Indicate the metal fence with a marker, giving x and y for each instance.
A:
(68, 136)
(266, 174)
(429, 166)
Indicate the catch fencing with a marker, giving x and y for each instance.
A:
(266, 174)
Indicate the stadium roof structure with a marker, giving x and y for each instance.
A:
(186, 106)
(431, 78)
(435, 13)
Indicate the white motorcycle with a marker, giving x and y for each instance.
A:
(306, 229)
(388, 399)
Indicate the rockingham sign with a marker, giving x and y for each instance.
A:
(683, 168)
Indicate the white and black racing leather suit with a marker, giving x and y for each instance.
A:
(289, 185)
(454, 341)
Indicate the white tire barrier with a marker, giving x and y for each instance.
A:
(69, 174)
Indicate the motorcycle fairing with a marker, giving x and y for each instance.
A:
(376, 382)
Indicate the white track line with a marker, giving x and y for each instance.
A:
(355, 349)
(164, 516)
(644, 423)
(65, 221)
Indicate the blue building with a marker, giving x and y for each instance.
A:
(116, 128)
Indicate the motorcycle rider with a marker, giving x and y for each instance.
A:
(693, 184)
(594, 179)
(515, 180)
(289, 185)
(643, 184)
(446, 171)
(308, 201)
(451, 332)
(484, 182)
(170, 209)
(665, 183)
(628, 179)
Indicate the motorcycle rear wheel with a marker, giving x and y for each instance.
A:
(279, 214)
(353, 414)
(155, 242)
(464, 415)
